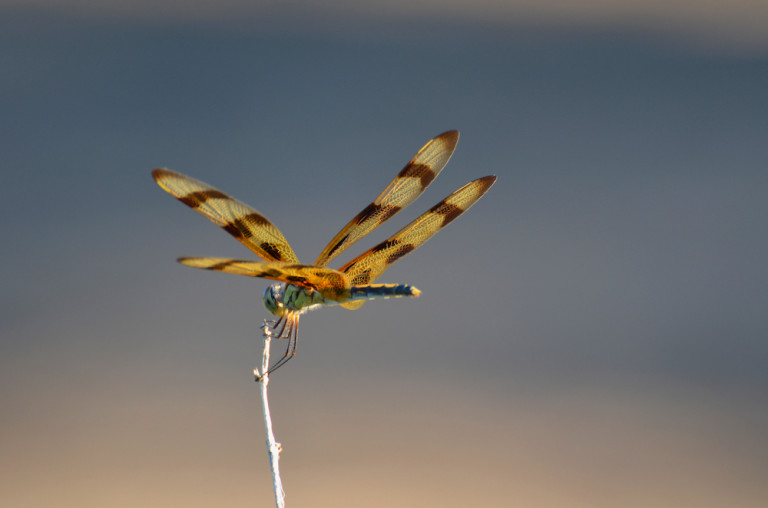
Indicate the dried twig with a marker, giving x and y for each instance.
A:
(273, 447)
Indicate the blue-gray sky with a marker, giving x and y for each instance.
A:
(593, 332)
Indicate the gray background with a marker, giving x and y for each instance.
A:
(592, 333)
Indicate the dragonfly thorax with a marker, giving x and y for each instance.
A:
(280, 299)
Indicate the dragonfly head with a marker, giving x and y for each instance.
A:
(273, 300)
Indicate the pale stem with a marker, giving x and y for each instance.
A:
(273, 447)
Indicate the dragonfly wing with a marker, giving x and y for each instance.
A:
(369, 266)
(235, 217)
(408, 185)
(332, 284)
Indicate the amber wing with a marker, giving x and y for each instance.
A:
(369, 266)
(332, 284)
(408, 185)
(235, 217)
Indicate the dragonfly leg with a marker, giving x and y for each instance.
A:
(279, 327)
(292, 323)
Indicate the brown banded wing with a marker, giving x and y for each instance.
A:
(408, 185)
(332, 284)
(369, 266)
(235, 217)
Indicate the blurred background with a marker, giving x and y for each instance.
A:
(593, 333)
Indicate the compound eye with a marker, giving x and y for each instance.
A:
(273, 300)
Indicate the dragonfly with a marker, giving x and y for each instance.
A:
(302, 287)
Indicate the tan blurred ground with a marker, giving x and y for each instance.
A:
(411, 442)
